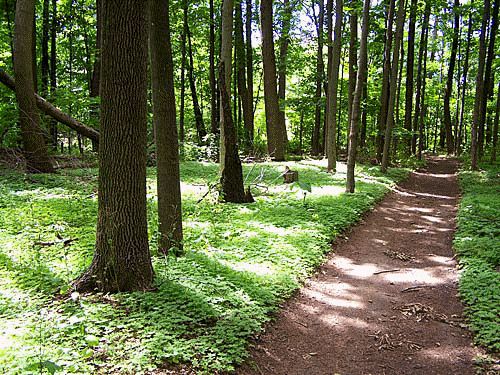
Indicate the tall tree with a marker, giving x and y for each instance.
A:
(476, 117)
(393, 84)
(450, 143)
(122, 261)
(284, 41)
(333, 80)
(410, 61)
(241, 62)
(386, 76)
(230, 164)
(494, 144)
(353, 56)
(356, 105)
(165, 126)
(249, 67)
(274, 128)
(35, 149)
(214, 117)
(319, 21)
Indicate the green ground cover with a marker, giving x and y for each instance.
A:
(477, 242)
(241, 262)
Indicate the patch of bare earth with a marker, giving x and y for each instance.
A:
(386, 300)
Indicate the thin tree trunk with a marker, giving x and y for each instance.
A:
(353, 56)
(320, 73)
(283, 55)
(450, 144)
(393, 86)
(333, 81)
(165, 127)
(386, 74)
(356, 104)
(214, 113)
(476, 117)
(410, 62)
(249, 68)
(274, 128)
(495, 129)
(464, 83)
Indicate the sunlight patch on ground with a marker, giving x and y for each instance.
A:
(334, 319)
(347, 301)
(433, 219)
(259, 269)
(429, 276)
(346, 264)
(439, 259)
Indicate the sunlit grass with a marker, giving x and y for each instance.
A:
(241, 262)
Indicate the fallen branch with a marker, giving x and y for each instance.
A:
(65, 242)
(379, 272)
(415, 288)
(54, 112)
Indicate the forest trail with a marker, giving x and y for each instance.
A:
(385, 302)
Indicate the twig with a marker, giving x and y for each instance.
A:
(412, 289)
(65, 242)
(379, 272)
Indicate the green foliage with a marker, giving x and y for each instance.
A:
(241, 262)
(477, 242)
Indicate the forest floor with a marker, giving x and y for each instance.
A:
(386, 301)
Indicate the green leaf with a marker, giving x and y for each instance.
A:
(91, 340)
(50, 366)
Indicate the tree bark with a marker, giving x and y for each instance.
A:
(356, 104)
(122, 261)
(165, 126)
(495, 129)
(249, 69)
(274, 128)
(283, 56)
(226, 61)
(353, 56)
(35, 149)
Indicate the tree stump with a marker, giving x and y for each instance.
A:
(290, 176)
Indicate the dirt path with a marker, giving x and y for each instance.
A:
(386, 300)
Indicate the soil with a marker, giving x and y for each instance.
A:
(386, 300)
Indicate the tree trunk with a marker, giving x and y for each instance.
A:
(450, 143)
(333, 81)
(122, 261)
(283, 55)
(249, 69)
(231, 170)
(393, 84)
(320, 76)
(488, 78)
(35, 149)
(410, 62)
(214, 114)
(198, 116)
(353, 56)
(165, 126)
(226, 61)
(476, 117)
(274, 128)
(495, 129)
(386, 74)
(356, 104)
(246, 104)
(45, 49)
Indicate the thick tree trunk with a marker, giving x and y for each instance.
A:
(122, 261)
(283, 56)
(35, 149)
(274, 128)
(226, 61)
(165, 126)
(356, 105)
(450, 143)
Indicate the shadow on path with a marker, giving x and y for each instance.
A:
(386, 300)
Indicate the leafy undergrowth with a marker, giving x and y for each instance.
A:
(241, 262)
(477, 242)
